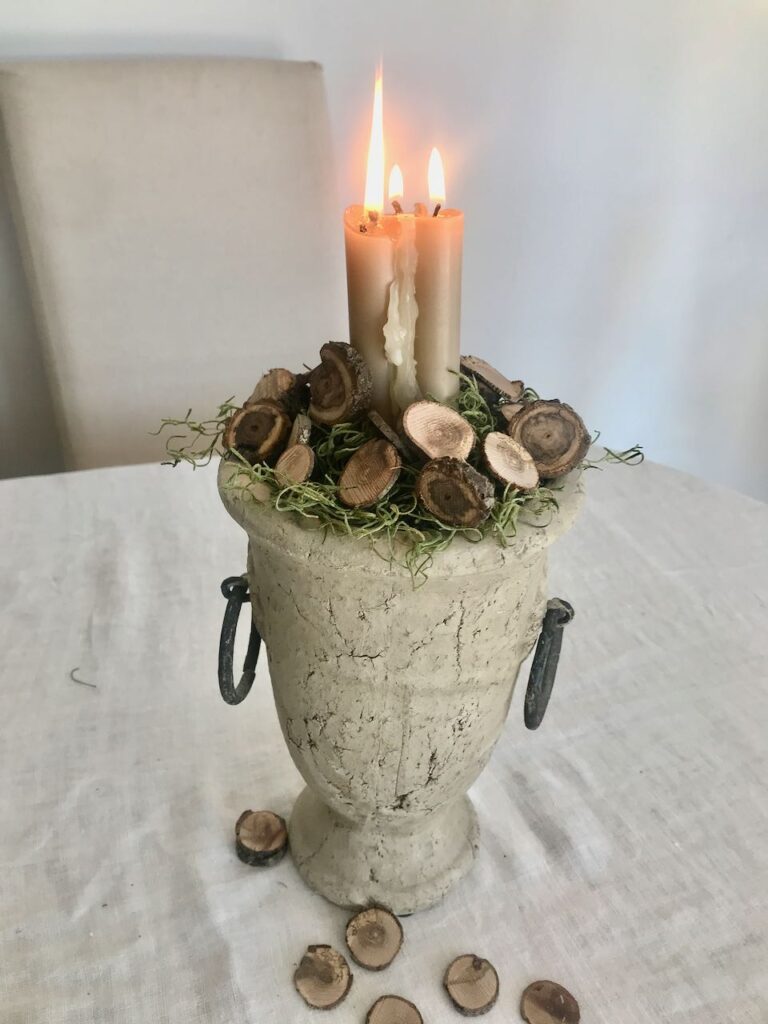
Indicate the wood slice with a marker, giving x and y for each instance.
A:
(492, 384)
(509, 462)
(296, 464)
(510, 409)
(438, 431)
(554, 435)
(341, 386)
(393, 1010)
(258, 432)
(280, 386)
(455, 493)
(261, 838)
(389, 432)
(374, 937)
(370, 474)
(546, 1002)
(301, 431)
(472, 983)
(323, 977)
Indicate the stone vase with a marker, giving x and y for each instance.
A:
(390, 697)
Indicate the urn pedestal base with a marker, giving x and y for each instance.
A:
(407, 867)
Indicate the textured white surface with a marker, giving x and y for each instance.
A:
(624, 844)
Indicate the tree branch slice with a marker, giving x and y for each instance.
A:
(554, 435)
(323, 977)
(370, 474)
(295, 465)
(546, 1002)
(261, 838)
(490, 381)
(438, 431)
(509, 462)
(281, 386)
(374, 937)
(455, 493)
(393, 1010)
(258, 431)
(472, 984)
(301, 430)
(341, 386)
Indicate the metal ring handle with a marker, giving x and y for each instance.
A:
(235, 589)
(544, 666)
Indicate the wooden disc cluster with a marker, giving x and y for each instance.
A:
(459, 476)
(261, 838)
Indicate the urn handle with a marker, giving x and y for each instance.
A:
(235, 589)
(544, 667)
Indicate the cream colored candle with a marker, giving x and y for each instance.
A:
(370, 272)
(439, 242)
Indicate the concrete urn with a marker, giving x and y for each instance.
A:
(390, 697)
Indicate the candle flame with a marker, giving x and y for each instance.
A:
(374, 178)
(396, 188)
(436, 178)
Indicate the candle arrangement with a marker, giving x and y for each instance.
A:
(399, 501)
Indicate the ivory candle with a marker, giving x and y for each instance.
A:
(404, 285)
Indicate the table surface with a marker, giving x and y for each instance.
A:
(624, 845)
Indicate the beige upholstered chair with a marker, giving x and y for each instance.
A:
(180, 234)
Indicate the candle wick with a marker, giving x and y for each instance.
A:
(363, 229)
(396, 206)
(373, 216)
(437, 209)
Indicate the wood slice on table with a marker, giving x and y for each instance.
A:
(393, 1010)
(259, 431)
(281, 386)
(374, 937)
(340, 387)
(510, 409)
(492, 384)
(295, 465)
(261, 838)
(301, 431)
(509, 462)
(554, 434)
(546, 1002)
(455, 493)
(472, 984)
(370, 474)
(323, 977)
(438, 431)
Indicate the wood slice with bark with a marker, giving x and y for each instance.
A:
(389, 432)
(509, 462)
(301, 431)
(455, 493)
(546, 1002)
(509, 410)
(494, 386)
(393, 1010)
(374, 937)
(370, 474)
(261, 838)
(295, 465)
(472, 984)
(282, 386)
(341, 386)
(259, 431)
(554, 434)
(438, 431)
(323, 977)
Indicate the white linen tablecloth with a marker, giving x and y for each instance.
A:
(624, 845)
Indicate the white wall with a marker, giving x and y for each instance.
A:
(611, 159)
